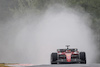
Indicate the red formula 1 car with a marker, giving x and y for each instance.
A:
(68, 56)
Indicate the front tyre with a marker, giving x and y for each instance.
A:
(83, 57)
(54, 58)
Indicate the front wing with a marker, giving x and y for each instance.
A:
(72, 61)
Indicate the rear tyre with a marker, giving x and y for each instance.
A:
(54, 58)
(83, 57)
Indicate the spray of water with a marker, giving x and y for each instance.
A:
(31, 39)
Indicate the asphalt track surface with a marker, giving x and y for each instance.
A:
(66, 65)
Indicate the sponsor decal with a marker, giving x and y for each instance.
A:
(68, 57)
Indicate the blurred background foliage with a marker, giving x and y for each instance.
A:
(10, 7)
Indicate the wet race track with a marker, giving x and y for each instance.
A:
(65, 65)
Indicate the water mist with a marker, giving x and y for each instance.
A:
(36, 37)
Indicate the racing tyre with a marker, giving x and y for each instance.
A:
(83, 57)
(54, 58)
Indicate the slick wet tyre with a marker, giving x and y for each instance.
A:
(54, 58)
(83, 57)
